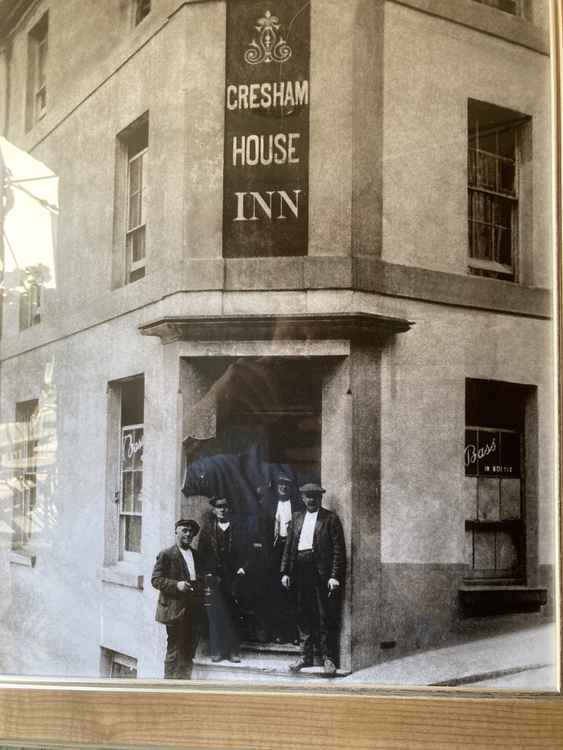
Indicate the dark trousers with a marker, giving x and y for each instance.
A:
(317, 610)
(182, 640)
(282, 613)
(224, 638)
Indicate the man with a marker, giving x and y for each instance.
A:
(176, 576)
(282, 605)
(314, 561)
(221, 554)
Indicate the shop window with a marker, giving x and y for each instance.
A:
(508, 6)
(494, 155)
(114, 664)
(132, 199)
(141, 9)
(25, 472)
(37, 55)
(131, 468)
(495, 481)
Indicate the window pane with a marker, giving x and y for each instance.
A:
(489, 451)
(503, 246)
(507, 174)
(132, 447)
(132, 533)
(503, 212)
(488, 493)
(507, 143)
(510, 499)
(483, 236)
(486, 171)
(137, 244)
(135, 175)
(134, 210)
(127, 492)
(121, 670)
(510, 453)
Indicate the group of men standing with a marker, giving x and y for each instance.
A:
(300, 547)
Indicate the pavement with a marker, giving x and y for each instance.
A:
(523, 657)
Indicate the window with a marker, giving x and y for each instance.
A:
(508, 6)
(132, 159)
(494, 146)
(30, 301)
(37, 54)
(131, 467)
(114, 664)
(141, 9)
(495, 481)
(25, 472)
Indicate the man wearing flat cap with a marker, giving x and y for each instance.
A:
(223, 563)
(176, 575)
(314, 563)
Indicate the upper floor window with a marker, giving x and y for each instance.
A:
(494, 152)
(131, 201)
(25, 471)
(141, 9)
(37, 56)
(508, 6)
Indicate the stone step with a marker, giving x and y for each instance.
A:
(256, 667)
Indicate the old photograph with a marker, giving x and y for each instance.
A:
(278, 368)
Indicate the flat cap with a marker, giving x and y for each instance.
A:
(283, 479)
(188, 522)
(312, 488)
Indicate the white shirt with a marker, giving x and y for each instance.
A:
(283, 517)
(188, 556)
(308, 531)
(223, 525)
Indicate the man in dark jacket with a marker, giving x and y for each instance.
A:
(221, 550)
(314, 562)
(176, 575)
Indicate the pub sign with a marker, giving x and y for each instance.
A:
(266, 158)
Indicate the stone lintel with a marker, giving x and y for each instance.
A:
(358, 327)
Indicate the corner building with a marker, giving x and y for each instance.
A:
(340, 256)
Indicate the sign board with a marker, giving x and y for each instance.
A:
(266, 158)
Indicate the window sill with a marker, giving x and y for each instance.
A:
(482, 599)
(22, 557)
(121, 574)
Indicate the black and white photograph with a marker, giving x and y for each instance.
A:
(278, 358)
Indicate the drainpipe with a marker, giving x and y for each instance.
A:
(6, 51)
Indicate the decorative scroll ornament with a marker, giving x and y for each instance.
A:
(271, 46)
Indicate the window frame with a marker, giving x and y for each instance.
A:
(493, 266)
(136, 229)
(110, 658)
(132, 148)
(26, 420)
(126, 554)
(38, 62)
